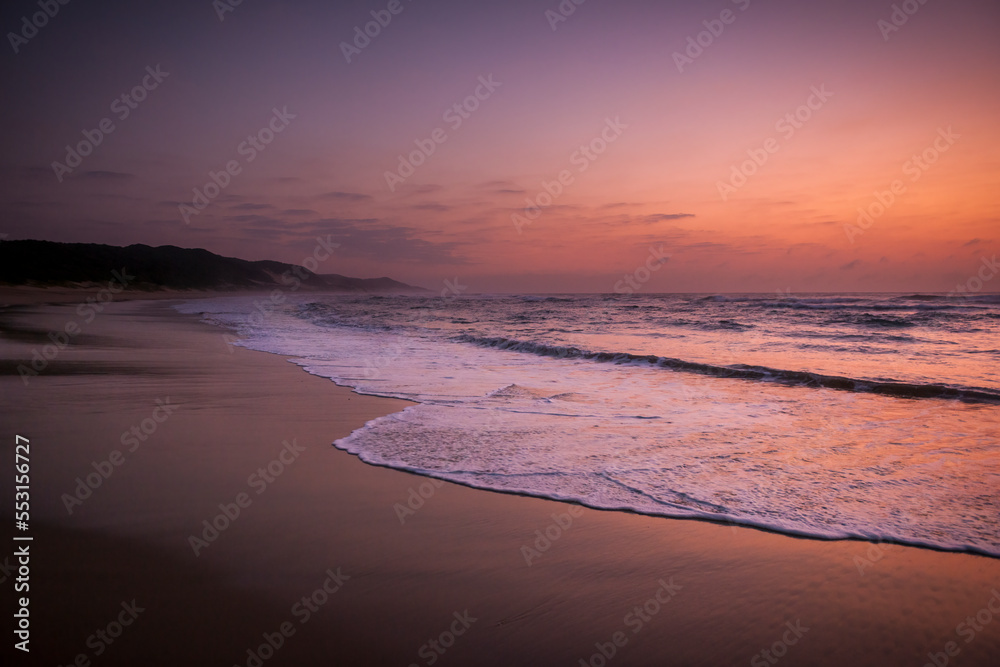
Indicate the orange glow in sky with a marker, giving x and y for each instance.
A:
(525, 153)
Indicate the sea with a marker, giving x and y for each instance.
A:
(871, 416)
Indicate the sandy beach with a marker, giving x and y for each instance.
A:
(149, 427)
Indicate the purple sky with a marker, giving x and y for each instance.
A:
(654, 148)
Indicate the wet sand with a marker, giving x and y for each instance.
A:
(645, 590)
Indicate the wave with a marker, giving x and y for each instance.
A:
(746, 372)
(922, 297)
(930, 305)
(674, 503)
(729, 324)
(884, 321)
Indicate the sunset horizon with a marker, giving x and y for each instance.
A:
(526, 333)
(766, 147)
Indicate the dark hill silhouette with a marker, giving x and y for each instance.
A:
(47, 263)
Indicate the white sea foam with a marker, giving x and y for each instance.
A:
(630, 434)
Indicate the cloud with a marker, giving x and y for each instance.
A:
(795, 247)
(249, 207)
(660, 217)
(853, 264)
(361, 238)
(565, 208)
(372, 239)
(115, 196)
(338, 223)
(172, 223)
(27, 173)
(252, 218)
(265, 233)
(427, 189)
(712, 245)
(503, 187)
(99, 175)
(345, 196)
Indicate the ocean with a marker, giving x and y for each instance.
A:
(873, 416)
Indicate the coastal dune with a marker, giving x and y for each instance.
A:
(220, 508)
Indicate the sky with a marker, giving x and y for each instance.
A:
(701, 146)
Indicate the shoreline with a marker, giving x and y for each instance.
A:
(968, 551)
(462, 548)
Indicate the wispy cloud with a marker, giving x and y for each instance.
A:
(345, 196)
(100, 175)
(249, 207)
(660, 217)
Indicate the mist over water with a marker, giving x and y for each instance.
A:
(874, 416)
